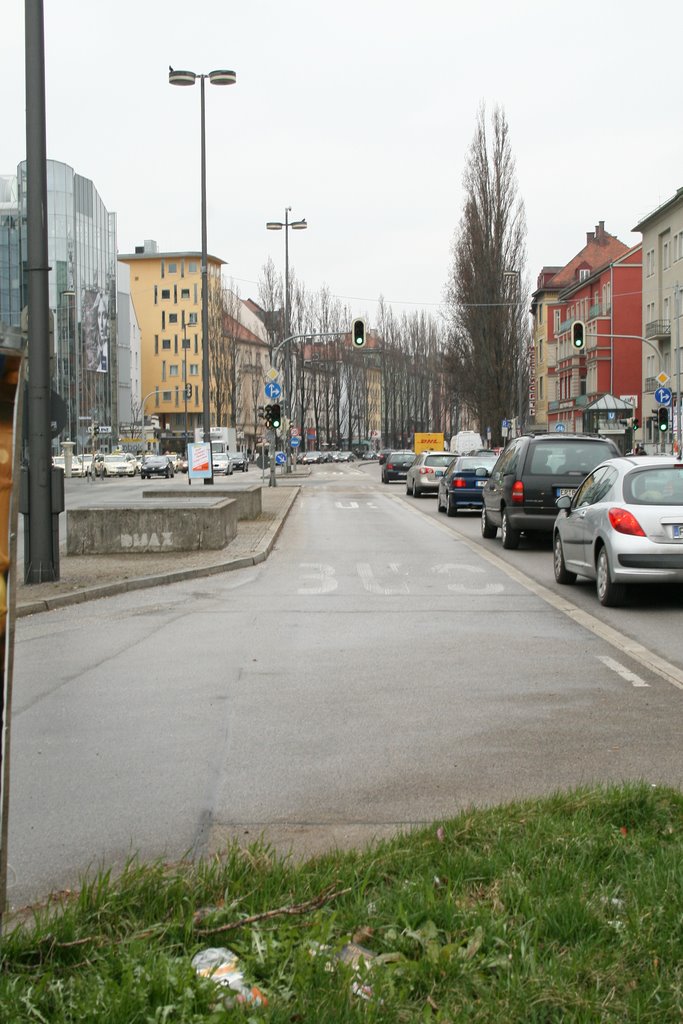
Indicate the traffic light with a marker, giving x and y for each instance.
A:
(268, 416)
(578, 334)
(188, 391)
(275, 416)
(358, 332)
(663, 418)
(635, 423)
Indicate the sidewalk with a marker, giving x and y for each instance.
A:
(88, 577)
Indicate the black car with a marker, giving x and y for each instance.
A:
(396, 466)
(239, 460)
(156, 465)
(530, 475)
(462, 485)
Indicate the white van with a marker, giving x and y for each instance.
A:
(466, 441)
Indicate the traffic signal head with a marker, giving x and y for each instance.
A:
(275, 416)
(663, 418)
(188, 391)
(578, 335)
(635, 423)
(358, 332)
(268, 415)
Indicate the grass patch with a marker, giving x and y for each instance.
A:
(567, 910)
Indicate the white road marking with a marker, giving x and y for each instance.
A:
(457, 568)
(622, 671)
(346, 504)
(625, 644)
(323, 574)
(368, 580)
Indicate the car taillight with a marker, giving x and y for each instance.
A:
(425, 469)
(390, 465)
(624, 521)
(458, 482)
(518, 493)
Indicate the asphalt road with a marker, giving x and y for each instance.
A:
(384, 667)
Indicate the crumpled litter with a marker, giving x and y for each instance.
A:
(221, 965)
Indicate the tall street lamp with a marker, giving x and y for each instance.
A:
(295, 225)
(215, 78)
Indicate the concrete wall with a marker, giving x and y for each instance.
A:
(248, 500)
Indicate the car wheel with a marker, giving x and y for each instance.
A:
(609, 594)
(407, 488)
(417, 493)
(509, 537)
(451, 509)
(167, 473)
(488, 530)
(439, 506)
(562, 573)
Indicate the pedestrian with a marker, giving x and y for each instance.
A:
(639, 450)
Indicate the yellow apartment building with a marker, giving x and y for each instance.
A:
(166, 290)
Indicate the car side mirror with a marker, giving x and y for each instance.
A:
(564, 501)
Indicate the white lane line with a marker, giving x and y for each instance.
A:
(623, 643)
(622, 671)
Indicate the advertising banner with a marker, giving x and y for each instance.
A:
(199, 461)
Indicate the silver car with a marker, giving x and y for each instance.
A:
(623, 525)
(426, 471)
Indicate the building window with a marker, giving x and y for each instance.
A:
(540, 350)
(192, 267)
(156, 294)
(556, 320)
(666, 256)
(165, 293)
(163, 369)
(156, 344)
(649, 262)
(186, 342)
(173, 371)
(583, 274)
(194, 369)
(184, 293)
(173, 268)
(166, 343)
(195, 295)
(173, 318)
(166, 396)
(540, 388)
(192, 319)
(163, 320)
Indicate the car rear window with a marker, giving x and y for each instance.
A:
(656, 485)
(476, 462)
(439, 460)
(553, 458)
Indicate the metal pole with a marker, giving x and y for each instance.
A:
(288, 347)
(185, 381)
(206, 378)
(677, 314)
(41, 564)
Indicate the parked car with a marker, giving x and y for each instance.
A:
(311, 458)
(370, 456)
(345, 457)
(239, 460)
(624, 525)
(222, 466)
(156, 465)
(530, 475)
(426, 471)
(462, 484)
(396, 466)
(382, 455)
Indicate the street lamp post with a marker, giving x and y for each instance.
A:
(516, 276)
(295, 225)
(222, 77)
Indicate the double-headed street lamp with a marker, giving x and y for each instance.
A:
(295, 225)
(215, 78)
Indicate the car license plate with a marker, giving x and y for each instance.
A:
(677, 531)
(480, 483)
(562, 491)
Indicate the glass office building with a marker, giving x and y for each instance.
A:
(82, 293)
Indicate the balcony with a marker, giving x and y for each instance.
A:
(599, 310)
(565, 325)
(658, 329)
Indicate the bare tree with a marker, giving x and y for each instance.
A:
(483, 294)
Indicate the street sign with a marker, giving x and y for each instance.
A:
(272, 389)
(280, 458)
(560, 427)
(295, 441)
(271, 374)
(663, 378)
(663, 396)
(294, 431)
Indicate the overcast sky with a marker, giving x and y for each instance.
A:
(358, 115)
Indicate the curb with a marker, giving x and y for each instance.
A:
(49, 604)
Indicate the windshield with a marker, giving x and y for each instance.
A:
(658, 485)
(549, 457)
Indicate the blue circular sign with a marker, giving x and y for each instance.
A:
(295, 441)
(560, 427)
(272, 389)
(663, 396)
(280, 458)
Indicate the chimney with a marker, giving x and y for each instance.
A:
(600, 231)
(590, 235)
